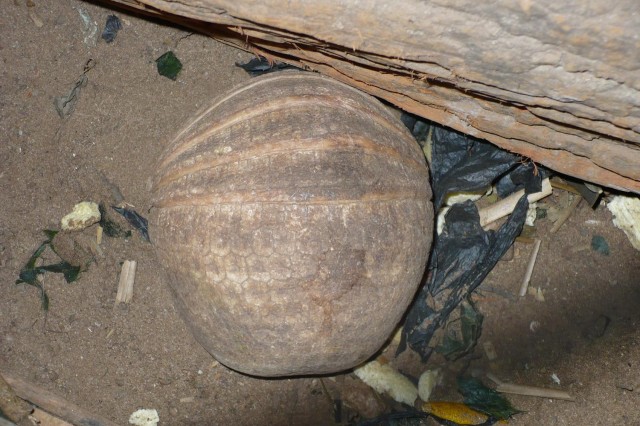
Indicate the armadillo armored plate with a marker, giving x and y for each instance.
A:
(293, 218)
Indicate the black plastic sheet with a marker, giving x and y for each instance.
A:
(464, 253)
(111, 28)
(261, 65)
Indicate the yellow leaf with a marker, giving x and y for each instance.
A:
(455, 412)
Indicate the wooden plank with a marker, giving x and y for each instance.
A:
(553, 81)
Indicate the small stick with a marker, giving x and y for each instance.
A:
(504, 207)
(532, 262)
(565, 214)
(125, 285)
(503, 387)
(564, 186)
(54, 404)
(534, 391)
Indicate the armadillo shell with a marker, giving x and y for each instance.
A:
(293, 218)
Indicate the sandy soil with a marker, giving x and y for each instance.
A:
(113, 361)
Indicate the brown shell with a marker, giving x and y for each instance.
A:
(294, 220)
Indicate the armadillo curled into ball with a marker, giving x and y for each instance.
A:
(293, 217)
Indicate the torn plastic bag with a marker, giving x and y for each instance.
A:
(464, 253)
(462, 257)
(261, 65)
(464, 163)
(527, 175)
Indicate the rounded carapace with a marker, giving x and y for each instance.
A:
(294, 220)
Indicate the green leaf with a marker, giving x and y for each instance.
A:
(169, 65)
(29, 273)
(44, 298)
(599, 244)
(479, 397)
(462, 334)
(50, 233)
(69, 271)
(31, 263)
(28, 276)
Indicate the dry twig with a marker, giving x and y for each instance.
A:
(532, 262)
(529, 390)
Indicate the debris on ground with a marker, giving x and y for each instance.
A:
(461, 334)
(537, 293)
(169, 65)
(600, 245)
(66, 104)
(30, 272)
(111, 28)
(261, 65)
(136, 220)
(626, 216)
(109, 226)
(505, 206)
(31, 7)
(144, 417)
(125, 284)
(411, 417)
(383, 378)
(84, 214)
(456, 413)
(504, 387)
(484, 399)
(464, 253)
(89, 27)
(532, 261)
(427, 382)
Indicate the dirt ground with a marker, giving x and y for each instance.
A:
(114, 360)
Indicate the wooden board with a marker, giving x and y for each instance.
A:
(554, 81)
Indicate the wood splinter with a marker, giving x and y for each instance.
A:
(125, 285)
(532, 262)
(503, 387)
(504, 207)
